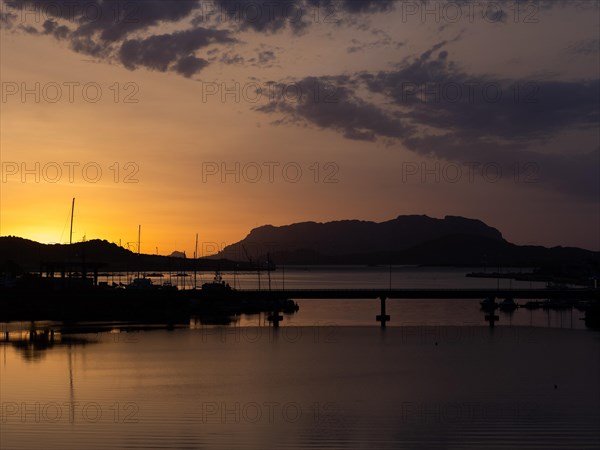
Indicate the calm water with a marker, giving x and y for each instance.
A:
(344, 277)
(329, 378)
(363, 312)
(306, 387)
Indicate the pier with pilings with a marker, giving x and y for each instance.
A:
(424, 294)
(39, 300)
(433, 294)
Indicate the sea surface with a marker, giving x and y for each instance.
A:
(329, 378)
(362, 312)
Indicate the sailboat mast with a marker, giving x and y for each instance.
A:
(195, 261)
(71, 229)
(269, 269)
(258, 271)
(139, 247)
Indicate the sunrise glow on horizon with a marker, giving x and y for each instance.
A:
(350, 112)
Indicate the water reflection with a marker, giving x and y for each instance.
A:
(306, 387)
(214, 319)
(32, 344)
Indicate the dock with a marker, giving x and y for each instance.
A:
(433, 294)
(84, 301)
(423, 294)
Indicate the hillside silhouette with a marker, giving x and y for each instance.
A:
(419, 240)
(18, 255)
(410, 239)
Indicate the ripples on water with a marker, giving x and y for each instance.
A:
(431, 380)
(306, 387)
(343, 277)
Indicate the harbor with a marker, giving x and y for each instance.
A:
(86, 297)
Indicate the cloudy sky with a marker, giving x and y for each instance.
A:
(214, 117)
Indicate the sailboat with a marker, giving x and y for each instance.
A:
(217, 286)
(140, 282)
(71, 229)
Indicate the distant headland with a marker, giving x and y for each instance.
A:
(407, 239)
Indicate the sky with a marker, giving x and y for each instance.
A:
(216, 117)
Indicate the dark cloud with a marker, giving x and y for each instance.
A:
(230, 59)
(61, 32)
(272, 16)
(7, 19)
(160, 52)
(88, 46)
(143, 14)
(49, 26)
(384, 40)
(266, 57)
(125, 31)
(427, 102)
(330, 102)
(58, 31)
(190, 65)
(265, 16)
(114, 30)
(354, 6)
(436, 93)
(434, 108)
(109, 20)
(29, 29)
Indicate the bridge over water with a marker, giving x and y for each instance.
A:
(580, 293)
(384, 294)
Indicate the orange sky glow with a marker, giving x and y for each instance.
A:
(178, 153)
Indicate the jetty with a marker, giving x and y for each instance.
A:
(74, 299)
(349, 294)
(583, 294)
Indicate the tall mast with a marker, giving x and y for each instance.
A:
(195, 261)
(269, 268)
(71, 230)
(139, 246)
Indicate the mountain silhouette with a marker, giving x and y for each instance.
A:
(409, 239)
(19, 255)
(419, 240)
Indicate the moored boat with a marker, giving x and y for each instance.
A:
(508, 304)
(488, 303)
